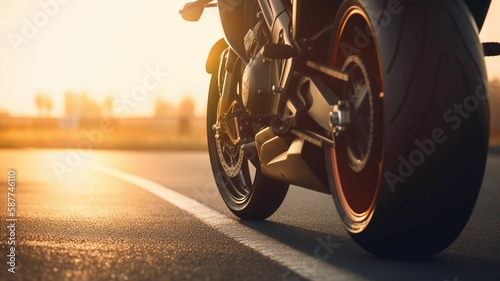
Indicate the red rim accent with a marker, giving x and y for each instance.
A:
(357, 191)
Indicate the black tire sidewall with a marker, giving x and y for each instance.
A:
(431, 60)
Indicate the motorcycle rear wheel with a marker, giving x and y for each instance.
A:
(429, 125)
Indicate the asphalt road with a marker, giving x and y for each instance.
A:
(116, 215)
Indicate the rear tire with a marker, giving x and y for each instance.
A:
(428, 65)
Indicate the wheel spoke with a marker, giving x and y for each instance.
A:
(360, 97)
(247, 177)
(363, 133)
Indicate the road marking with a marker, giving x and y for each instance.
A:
(302, 264)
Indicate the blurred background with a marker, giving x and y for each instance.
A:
(121, 74)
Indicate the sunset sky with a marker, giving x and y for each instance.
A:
(111, 47)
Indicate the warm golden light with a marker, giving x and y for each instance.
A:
(114, 59)
(108, 48)
(101, 48)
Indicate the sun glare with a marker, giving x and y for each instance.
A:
(101, 48)
(104, 49)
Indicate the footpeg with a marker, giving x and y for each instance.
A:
(491, 49)
(279, 51)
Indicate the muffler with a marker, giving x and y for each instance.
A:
(291, 159)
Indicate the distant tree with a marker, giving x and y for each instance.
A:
(186, 107)
(185, 114)
(90, 108)
(163, 109)
(108, 105)
(71, 106)
(39, 103)
(81, 106)
(43, 104)
(48, 106)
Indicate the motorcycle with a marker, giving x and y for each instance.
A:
(381, 103)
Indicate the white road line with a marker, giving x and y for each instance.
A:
(296, 261)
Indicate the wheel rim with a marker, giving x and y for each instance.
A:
(233, 171)
(232, 162)
(357, 156)
(228, 144)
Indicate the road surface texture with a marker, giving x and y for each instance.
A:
(121, 215)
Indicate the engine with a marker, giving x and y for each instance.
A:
(259, 93)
